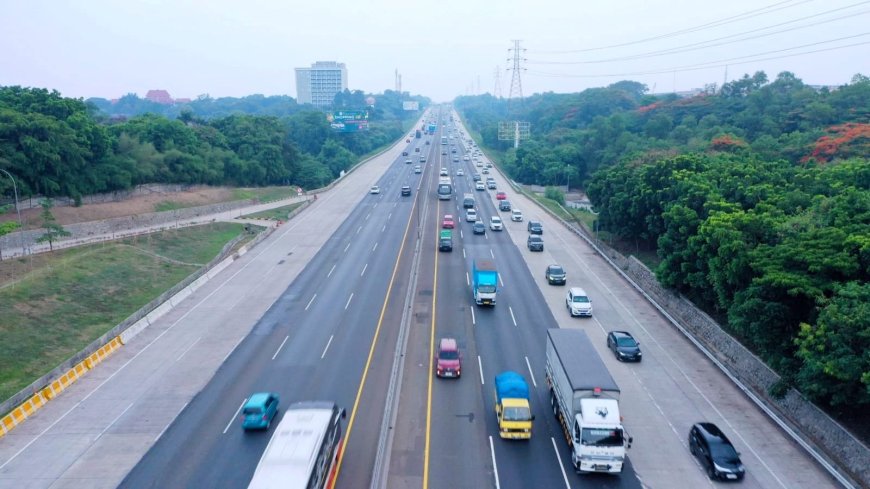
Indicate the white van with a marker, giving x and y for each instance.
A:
(516, 215)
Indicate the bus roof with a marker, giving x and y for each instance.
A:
(291, 453)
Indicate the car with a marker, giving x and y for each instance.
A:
(259, 411)
(490, 184)
(471, 215)
(404, 153)
(422, 159)
(460, 173)
(478, 228)
(485, 171)
(465, 158)
(375, 189)
(427, 142)
(556, 275)
(500, 195)
(624, 346)
(475, 176)
(418, 169)
(445, 240)
(535, 227)
(448, 359)
(416, 150)
(444, 172)
(408, 161)
(479, 186)
(408, 140)
(495, 223)
(715, 452)
(443, 152)
(535, 243)
(406, 190)
(504, 205)
(489, 165)
(448, 222)
(578, 302)
(452, 150)
(516, 215)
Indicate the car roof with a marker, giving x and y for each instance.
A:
(554, 266)
(535, 237)
(448, 344)
(621, 334)
(577, 291)
(712, 432)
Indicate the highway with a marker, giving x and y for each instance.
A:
(315, 311)
(674, 387)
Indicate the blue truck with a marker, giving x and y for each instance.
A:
(512, 406)
(484, 282)
(432, 128)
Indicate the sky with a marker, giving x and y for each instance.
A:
(442, 49)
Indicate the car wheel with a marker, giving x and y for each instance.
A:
(692, 449)
(710, 473)
(553, 403)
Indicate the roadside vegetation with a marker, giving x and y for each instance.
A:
(54, 304)
(276, 214)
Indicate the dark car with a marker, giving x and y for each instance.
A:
(535, 243)
(404, 153)
(715, 452)
(624, 346)
(535, 227)
(406, 190)
(478, 227)
(556, 275)
(475, 176)
(504, 205)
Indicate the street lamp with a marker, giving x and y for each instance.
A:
(17, 209)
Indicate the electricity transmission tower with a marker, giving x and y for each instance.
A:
(515, 130)
(496, 92)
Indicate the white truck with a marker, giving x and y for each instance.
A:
(585, 400)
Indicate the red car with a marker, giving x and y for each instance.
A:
(500, 196)
(447, 223)
(448, 360)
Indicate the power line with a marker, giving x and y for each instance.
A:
(712, 64)
(712, 42)
(716, 23)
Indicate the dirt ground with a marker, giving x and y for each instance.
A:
(135, 205)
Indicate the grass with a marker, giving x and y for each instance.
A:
(168, 205)
(276, 214)
(264, 194)
(58, 303)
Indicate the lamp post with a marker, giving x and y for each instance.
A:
(17, 209)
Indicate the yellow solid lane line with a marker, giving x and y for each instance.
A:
(431, 359)
(372, 348)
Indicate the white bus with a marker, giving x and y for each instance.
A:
(303, 450)
(445, 188)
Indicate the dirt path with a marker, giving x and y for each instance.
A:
(135, 205)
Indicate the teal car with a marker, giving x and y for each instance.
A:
(259, 410)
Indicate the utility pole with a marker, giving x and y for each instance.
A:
(515, 130)
(496, 92)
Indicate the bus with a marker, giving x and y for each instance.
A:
(445, 188)
(444, 140)
(304, 448)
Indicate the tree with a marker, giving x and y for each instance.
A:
(53, 230)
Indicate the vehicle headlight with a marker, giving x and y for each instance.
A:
(721, 469)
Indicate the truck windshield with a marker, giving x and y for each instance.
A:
(602, 438)
(486, 289)
(517, 414)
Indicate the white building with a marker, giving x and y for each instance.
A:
(319, 84)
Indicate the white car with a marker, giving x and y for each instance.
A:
(375, 189)
(444, 172)
(516, 215)
(459, 172)
(471, 215)
(465, 158)
(495, 223)
(479, 186)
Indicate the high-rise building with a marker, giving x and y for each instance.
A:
(319, 84)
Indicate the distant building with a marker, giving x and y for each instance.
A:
(319, 84)
(159, 96)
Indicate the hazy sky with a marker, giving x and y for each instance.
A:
(107, 48)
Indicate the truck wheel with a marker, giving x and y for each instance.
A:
(553, 403)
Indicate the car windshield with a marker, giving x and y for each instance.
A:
(601, 438)
(449, 355)
(556, 270)
(581, 298)
(517, 414)
(626, 341)
(724, 452)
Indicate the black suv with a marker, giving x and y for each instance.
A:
(715, 452)
(535, 227)
(504, 205)
(624, 346)
(556, 275)
(535, 243)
